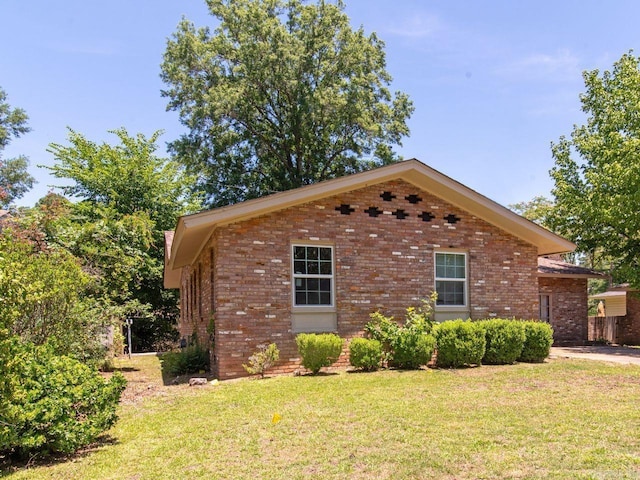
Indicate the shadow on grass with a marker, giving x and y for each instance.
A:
(11, 464)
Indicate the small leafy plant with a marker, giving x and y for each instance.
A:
(537, 343)
(504, 341)
(262, 360)
(460, 343)
(192, 359)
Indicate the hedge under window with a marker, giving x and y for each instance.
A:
(312, 275)
(451, 279)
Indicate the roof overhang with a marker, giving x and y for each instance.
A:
(193, 231)
(171, 276)
(609, 294)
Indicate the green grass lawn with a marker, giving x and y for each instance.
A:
(562, 419)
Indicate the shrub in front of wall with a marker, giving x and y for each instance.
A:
(537, 343)
(192, 359)
(504, 341)
(53, 404)
(262, 360)
(318, 350)
(459, 343)
(365, 354)
(412, 349)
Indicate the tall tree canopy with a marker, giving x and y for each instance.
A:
(127, 197)
(283, 93)
(15, 181)
(597, 194)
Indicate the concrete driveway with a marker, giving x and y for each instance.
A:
(604, 353)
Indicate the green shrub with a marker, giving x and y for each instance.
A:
(192, 359)
(318, 350)
(412, 348)
(537, 343)
(408, 345)
(504, 341)
(365, 353)
(459, 343)
(53, 404)
(262, 360)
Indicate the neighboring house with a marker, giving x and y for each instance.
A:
(321, 258)
(563, 299)
(618, 316)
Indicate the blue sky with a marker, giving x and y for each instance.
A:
(493, 82)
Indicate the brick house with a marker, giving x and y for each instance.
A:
(321, 258)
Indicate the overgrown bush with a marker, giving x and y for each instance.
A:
(192, 359)
(318, 350)
(504, 341)
(459, 343)
(537, 343)
(408, 345)
(262, 360)
(365, 353)
(51, 403)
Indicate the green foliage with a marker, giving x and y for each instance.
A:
(53, 403)
(45, 297)
(192, 359)
(281, 94)
(15, 181)
(539, 210)
(597, 173)
(365, 353)
(537, 343)
(412, 349)
(129, 197)
(409, 345)
(263, 359)
(504, 341)
(318, 350)
(459, 343)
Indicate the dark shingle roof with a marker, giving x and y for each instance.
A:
(553, 267)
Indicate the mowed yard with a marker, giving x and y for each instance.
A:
(564, 419)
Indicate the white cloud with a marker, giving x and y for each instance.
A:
(560, 66)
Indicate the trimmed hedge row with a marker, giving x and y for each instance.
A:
(458, 342)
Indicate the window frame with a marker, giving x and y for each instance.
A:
(549, 309)
(464, 281)
(332, 278)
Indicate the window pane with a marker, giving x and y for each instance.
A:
(450, 293)
(313, 268)
(313, 298)
(299, 253)
(450, 265)
(312, 284)
(325, 268)
(325, 285)
(325, 298)
(301, 298)
(325, 254)
(299, 267)
(312, 253)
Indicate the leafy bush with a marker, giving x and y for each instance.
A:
(53, 403)
(192, 359)
(365, 353)
(318, 350)
(537, 343)
(459, 343)
(408, 345)
(262, 360)
(412, 348)
(504, 341)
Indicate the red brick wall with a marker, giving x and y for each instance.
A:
(569, 312)
(381, 263)
(629, 326)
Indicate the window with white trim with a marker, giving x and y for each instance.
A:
(451, 279)
(312, 275)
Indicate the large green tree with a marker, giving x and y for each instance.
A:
(128, 196)
(597, 171)
(15, 180)
(282, 93)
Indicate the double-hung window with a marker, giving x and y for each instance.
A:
(451, 279)
(312, 275)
